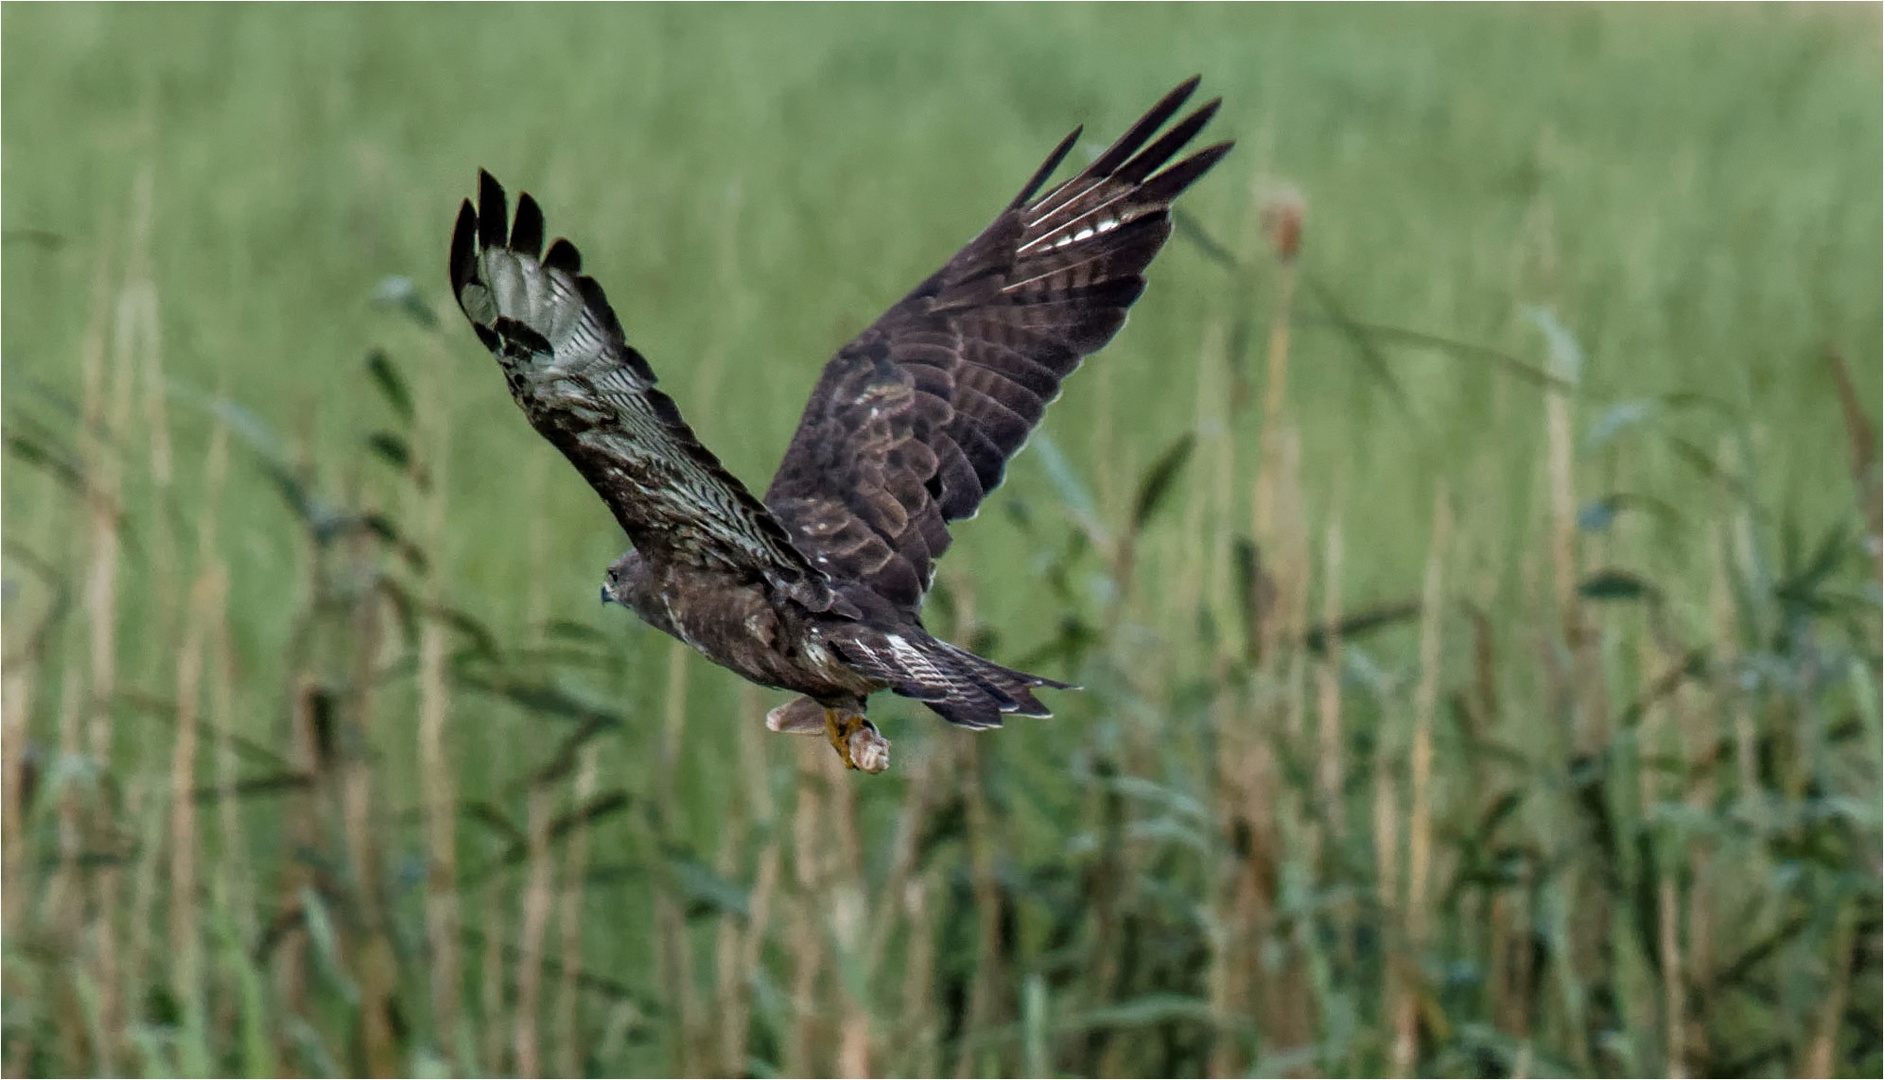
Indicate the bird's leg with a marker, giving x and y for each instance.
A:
(856, 740)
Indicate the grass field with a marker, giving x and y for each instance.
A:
(1479, 612)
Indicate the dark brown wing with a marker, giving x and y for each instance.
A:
(588, 391)
(912, 424)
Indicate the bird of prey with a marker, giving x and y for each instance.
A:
(817, 588)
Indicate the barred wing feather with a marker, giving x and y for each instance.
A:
(913, 423)
(585, 389)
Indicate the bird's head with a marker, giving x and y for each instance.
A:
(634, 584)
(618, 585)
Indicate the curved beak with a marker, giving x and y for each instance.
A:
(605, 597)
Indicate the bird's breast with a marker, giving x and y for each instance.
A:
(734, 623)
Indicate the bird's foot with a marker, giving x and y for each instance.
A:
(857, 740)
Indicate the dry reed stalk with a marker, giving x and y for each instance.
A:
(1247, 779)
(1290, 999)
(1220, 586)
(751, 958)
(739, 970)
(1508, 949)
(1559, 450)
(1253, 907)
(308, 758)
(1387, 850)
(1295, 572)
(1587, 696)
(1699, 737)
(1420, 770)
(134, 339)
(439, 779)
(566, 1032)
(21, 779)
(902, 900)
(491, 997)
(1331, 814)
(673, 952)
(63, 899)
(232, 843)
(1590, 730)
(138, 308)
(849, 920)
(539, 885)
(137, 336)
(918, 1025)
(64, 902)
(120, 967)
(730, 1004)
(534, 899)
(185, 942)
(143, 811)
(22, 783)
(1328, 773)
(1861, 446)
(202, 617)
(1651, 741)
(806, 944)
(107, 405)
(1241, 784)
(371, 951)
(1730, 529)
(310, 732)
(533, 927)
(16, 705)
(1674, 1005)
(1280, 216)
(929, 776)
(1247, 792)
(983, 1004)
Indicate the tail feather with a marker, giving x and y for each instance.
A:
(959, 686)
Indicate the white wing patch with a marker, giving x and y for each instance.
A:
(1088, 233)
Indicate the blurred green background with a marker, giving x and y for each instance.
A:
(1675, 210)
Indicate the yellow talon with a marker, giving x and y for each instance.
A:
(839, 734)
(856, 740)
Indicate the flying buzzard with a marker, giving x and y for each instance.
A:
(817, 588)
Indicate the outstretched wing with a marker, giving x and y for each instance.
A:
(912, 424)
(588, 391)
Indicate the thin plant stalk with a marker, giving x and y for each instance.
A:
(805, 945)
(1420, 783)
(566, 1033)
(442, 931)
(533, 927)
(1329, 775)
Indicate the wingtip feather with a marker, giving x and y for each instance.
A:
(1168, 144)
(493, 217)
(526, 233)
(1121, 151)
(1171, 183)
(464, 254)
(563, 256)
(1046, 168)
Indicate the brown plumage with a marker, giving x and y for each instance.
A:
(817, 589)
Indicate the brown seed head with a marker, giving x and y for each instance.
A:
(1282, 214)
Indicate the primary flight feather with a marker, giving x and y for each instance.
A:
(818, 587)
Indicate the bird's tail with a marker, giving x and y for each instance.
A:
(961, 687)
